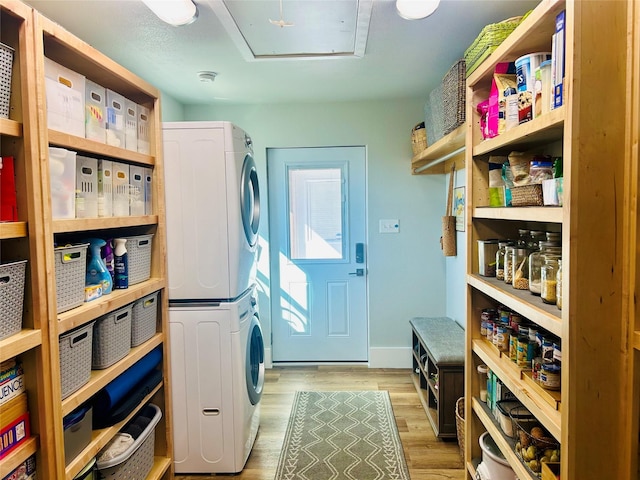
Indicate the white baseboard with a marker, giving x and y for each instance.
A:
(390, 357)
(398, 357)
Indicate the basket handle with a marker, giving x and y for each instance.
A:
(144, 243)
(5, 279)
(149, 302)
(74, 341)
(71, 257)
(121, 317)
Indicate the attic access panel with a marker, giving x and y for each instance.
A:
(321, 28)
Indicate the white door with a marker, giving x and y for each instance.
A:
(317, 202)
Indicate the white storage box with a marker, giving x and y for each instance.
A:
(136, 190)
(144, 130)
(115, 119)
(130, 125)
(148, 191)
(120, 189)
(105, 188)
(86, 187)
(136, 462)
(95, 112)
(62, 170)
(65, 91)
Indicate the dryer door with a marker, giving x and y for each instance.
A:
(250, 198)
(255, 361)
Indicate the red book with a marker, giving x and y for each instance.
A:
(8, 202)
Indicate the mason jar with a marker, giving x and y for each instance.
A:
(536, 260)
(508, 264)
(520, 269)
(559, 285)
(548, 279)
(502, 247)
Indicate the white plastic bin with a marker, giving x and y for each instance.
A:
(130, 125)
(120, 189)
(136, 190)
(62, 171)
(148, 191)
(95, 112)
(115, 119)
(105, 188)
(86, 187)
(65, 91)
(144, 137)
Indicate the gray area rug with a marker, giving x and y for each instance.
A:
(342, 436)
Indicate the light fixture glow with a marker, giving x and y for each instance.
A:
(416, 9)
(173, 12)
(207, 77)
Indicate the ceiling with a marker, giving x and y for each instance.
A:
(402, 58)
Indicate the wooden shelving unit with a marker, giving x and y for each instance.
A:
(26, 137)
(588, 417)
(437, 158)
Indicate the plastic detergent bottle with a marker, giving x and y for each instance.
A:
(121, 263)
(97, 273)
(107, 257)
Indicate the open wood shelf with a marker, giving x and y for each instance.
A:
(18, 456)
(24, 340)
(13, 230)
(10, 128)
(432, 155)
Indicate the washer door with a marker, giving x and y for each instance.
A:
(250, 198)
(255, 361)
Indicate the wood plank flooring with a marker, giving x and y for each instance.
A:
(428, 457)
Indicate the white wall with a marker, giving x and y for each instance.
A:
(172, 110)
(406, 270)
(455, 267)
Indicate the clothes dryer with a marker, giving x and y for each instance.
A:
(217, 368)
(212, 208)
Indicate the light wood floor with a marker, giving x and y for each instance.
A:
(428, 458)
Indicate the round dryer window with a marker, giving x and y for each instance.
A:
(255, 361)
(250, 198)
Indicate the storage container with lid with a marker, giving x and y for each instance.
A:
(520, 269)
(536, 260)
(508, 264)
(502, 247)
(548, 279)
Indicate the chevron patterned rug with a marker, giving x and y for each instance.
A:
(342, 436)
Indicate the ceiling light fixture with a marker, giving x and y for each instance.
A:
(207, 77)
(281, 23)
(416, 9)
(173, 12)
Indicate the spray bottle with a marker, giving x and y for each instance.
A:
(97, 273)
(107, 257)
(121, 263)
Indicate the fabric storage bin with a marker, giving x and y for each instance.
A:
(111, 338)
(77, 428)
(136, 462)
(11, 297)
(139, 254)
(143, 321)
(75, 358)
(70, 265)
(6, 66)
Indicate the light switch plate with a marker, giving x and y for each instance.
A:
(390, 226)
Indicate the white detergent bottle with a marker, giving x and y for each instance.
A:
(121, 263)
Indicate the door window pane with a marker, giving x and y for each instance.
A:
(315, 213)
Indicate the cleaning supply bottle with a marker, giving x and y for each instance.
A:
(107, 257)
(97, 273)
(121, 263)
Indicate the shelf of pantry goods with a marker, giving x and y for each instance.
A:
(107, 303)
(504, 443)
(522, 301)
(17, 456)
(444, 146)
(543, 404)
(60, 139)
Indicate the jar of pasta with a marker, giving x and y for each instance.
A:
(548, 279)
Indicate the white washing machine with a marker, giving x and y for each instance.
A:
(212, 208)
(217, 367)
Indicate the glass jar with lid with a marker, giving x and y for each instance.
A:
(559, 285)
(520, 269)
(523, 238)
(554, 237)
(548, 279)
(535, 237)
(502, 247)
(536, 260)
(508, 264)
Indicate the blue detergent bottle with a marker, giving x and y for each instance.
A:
(97, 273)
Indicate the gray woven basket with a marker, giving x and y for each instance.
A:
(139, 256)
(434, 115)
(6, 66)
(71, 266)
(11, 297)
(75, 358)
(453, 96)
(143, 321)
(111, 338)
(137, 461)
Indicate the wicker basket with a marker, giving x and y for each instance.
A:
(70, 265)
(139, 254)
(490, 37)
(453, 97)
(111, 338)
(11, 297)
(144, 319)
(460, 424)
(527, 196)
(75, 358)
(418, 138)
(6, 65)
(434, 116)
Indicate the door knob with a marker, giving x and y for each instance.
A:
(358, 273)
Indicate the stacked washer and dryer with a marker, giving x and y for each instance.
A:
(217, 349)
